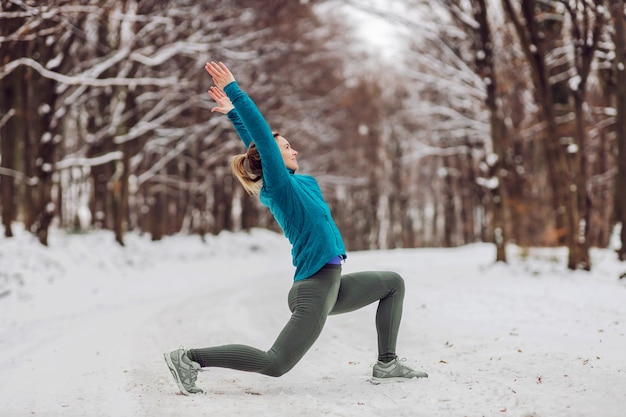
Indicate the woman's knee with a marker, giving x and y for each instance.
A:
(395, 281)
(278, 369)
(277, 372)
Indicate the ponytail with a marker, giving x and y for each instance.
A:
(247, 169)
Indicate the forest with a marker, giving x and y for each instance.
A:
(498, 121)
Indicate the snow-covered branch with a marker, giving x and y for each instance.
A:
(169, 51)
(75, 161)
(425, 150)
(6, 117)
(18, 176)
(84, 79)
(145, 126)
(161, 163)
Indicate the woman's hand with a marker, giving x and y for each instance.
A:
(224, 105)
(220, 73)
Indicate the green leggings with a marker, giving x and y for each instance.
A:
(311, 300)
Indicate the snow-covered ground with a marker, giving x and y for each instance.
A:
(84, 323)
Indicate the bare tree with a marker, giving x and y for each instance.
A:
(477, 23)
(540, 29)
(9, 127)
(618, 9)
(32, 99)
(447, 148)
(131, 112)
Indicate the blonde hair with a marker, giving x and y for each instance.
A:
(248, 170)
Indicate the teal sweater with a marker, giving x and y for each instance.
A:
(296, 201)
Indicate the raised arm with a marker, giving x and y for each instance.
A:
(225, 106)
(275, 173)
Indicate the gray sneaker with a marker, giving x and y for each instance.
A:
(184, 371)
(394, 371)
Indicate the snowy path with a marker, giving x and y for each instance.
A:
(526, 340)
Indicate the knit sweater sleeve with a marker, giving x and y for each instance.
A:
(275, 174)
(243, 133)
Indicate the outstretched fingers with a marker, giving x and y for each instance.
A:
(212, 68)
(216, 94)
(220, 73)
(224, 105)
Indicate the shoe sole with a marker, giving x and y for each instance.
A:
(172, 368)
(378, 381)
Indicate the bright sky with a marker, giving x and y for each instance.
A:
(380, 35)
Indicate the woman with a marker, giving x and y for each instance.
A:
(268, 169)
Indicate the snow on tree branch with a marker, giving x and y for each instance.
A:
(83, 79)
(144, 126)
(6, 117)
(18, 176)
(74, 161)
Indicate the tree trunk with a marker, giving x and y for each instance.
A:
(587, 27)
(10, 118)
(539, 37)
(157, 210)
(617, 13)
(9, 134)
(449, 215)
(581, 243)
(42, 97)
(486, 67)
(119, 199)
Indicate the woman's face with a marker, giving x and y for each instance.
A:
(289, 154)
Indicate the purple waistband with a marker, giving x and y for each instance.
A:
(335, 260)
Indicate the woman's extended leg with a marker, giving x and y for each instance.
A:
(310, 301)
(363, 288)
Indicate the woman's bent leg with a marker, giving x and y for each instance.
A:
(363, 288)
(310, 301)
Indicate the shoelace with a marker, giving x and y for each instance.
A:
(403, 364)
(194, 375)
